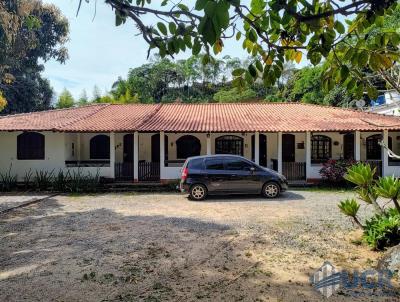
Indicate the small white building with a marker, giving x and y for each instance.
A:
(150, 142)
(390, 104)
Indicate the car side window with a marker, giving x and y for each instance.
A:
(196, 164)
(235, 164)
(214, 164)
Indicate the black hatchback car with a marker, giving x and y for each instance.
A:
(229, 174)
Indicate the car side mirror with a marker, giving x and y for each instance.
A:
(252, 169)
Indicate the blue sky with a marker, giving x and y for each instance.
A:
(99, 51)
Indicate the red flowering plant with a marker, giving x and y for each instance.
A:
(334, 170)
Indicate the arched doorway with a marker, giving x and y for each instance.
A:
(262, 149)
(100, 147)
(187, 146)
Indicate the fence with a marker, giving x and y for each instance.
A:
(294, 171)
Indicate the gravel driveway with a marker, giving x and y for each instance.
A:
(163, 247)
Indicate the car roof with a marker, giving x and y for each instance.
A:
(215, 156)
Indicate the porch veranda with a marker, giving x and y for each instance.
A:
(142, 157)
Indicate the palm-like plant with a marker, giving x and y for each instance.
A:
(382, 230)
(362, 175)
(350, 208)
(389, 187)
(368, 195)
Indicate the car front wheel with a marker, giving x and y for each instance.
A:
(198, 192)
(271, 190)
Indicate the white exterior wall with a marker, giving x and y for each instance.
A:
(54, 154)
(58, 149)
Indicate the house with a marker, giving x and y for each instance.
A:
(150, 142)
(387, 103)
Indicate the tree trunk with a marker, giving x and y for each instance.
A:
(377, 207)
(396, 204)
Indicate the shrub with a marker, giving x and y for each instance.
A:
(92, 182)
(383, 230)
(43, 180)
(79, 183)
(334, 170)
(60, 182)
(28, 179)
(8, 180)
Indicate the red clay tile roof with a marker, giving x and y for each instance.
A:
(47, 120)
(231, 117)
(117, 118)
(264, 117)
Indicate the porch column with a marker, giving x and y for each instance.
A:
(257, 148)
(112, 155)
(308, 155)
(385, 157)
(78, 147)
(279, 152)
(357, 146)
(136, 156)
(162, 155)
(208, 143)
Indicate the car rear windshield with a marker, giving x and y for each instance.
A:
(195, 164)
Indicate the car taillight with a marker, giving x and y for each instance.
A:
(184, 173)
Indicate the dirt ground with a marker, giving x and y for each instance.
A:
(163, 247)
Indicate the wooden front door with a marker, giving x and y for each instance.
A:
(155, 148)
(348, 146)
(288, 148)
(128, 148)
(262, 149)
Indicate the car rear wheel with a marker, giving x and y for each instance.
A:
(198, 192)
(271, 190)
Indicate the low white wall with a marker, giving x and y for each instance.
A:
(313, 171)
(171, 173)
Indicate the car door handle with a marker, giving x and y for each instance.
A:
(233, 175)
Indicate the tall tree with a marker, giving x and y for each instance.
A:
(30, 33)
(83, 98)
(96, 94)
(275, 31)
(65, 100)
